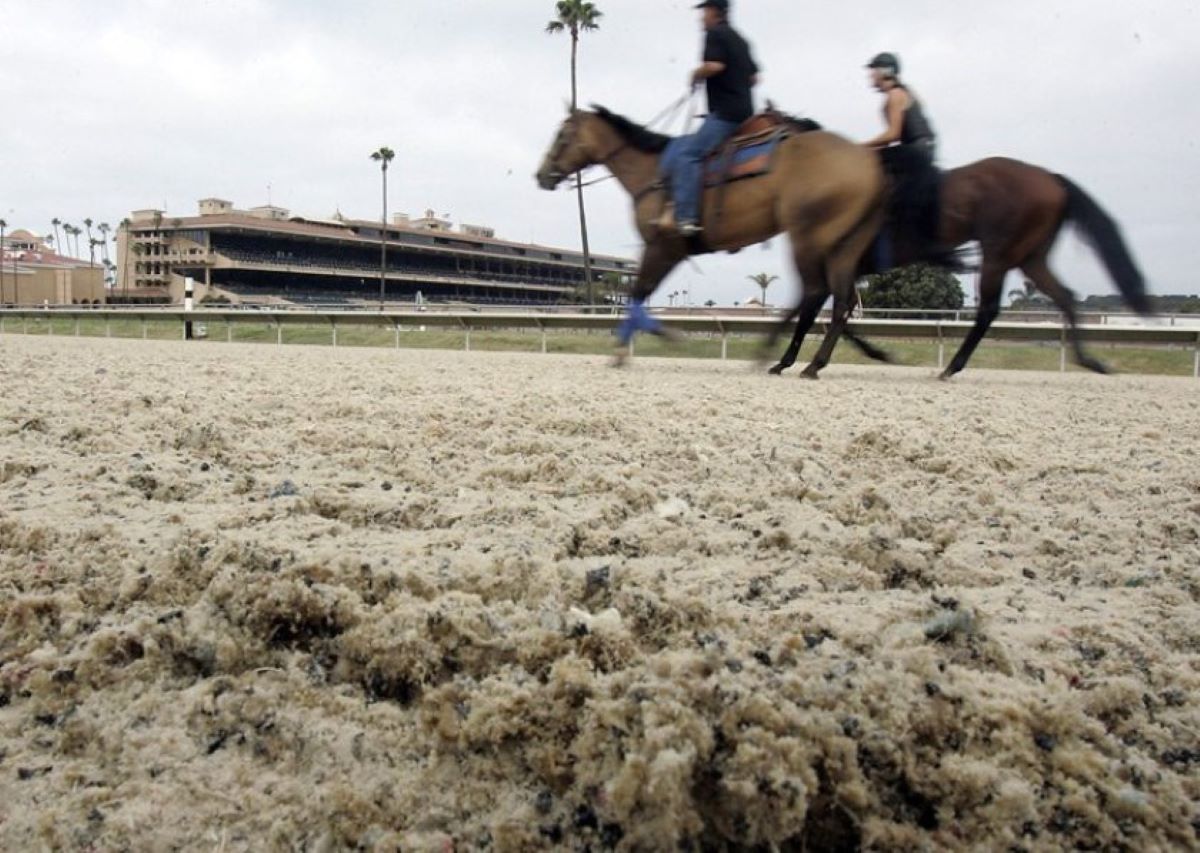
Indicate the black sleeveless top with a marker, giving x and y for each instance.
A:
(916, 126)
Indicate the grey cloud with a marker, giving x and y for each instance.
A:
(160, 101)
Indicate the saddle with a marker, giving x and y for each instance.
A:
(750, 151)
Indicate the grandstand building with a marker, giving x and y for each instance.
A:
(266, 255)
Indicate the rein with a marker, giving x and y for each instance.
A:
(667, 117)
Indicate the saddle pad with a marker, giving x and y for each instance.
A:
(743, 163)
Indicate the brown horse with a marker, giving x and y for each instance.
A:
(824, 191)
(1015, 212)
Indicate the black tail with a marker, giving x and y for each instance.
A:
(868, 349)
(1104, 235)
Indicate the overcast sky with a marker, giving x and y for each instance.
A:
(144, 103)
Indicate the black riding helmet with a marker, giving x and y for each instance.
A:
(888, 62)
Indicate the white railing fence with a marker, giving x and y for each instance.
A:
(711, 322)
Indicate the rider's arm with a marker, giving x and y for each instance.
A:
(716, 55)
(896, 103)
(708, 69)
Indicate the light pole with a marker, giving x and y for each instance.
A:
(4, 225)
(383, 157)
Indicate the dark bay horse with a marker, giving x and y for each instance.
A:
(1015, 212)
(825, 192)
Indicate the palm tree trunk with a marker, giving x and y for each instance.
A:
(583, 232)
(383, 243)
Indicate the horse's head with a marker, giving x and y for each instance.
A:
(574, 149)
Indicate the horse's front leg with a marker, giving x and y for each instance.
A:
(806, 314)
(658, 260)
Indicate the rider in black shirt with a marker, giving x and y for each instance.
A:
(902, 112)
(907, 148)
(729, 73)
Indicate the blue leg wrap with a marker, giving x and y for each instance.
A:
(637, 319)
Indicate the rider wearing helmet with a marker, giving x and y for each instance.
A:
(729, 74)
(902, 111)
(907, 147)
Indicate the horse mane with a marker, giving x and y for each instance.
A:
(641, 138)
(802, 125)
(644, 139)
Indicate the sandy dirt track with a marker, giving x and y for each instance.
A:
(264, 598)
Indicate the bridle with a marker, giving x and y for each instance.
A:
(667, 115)
(562, 142)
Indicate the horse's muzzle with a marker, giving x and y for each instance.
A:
(549, 180)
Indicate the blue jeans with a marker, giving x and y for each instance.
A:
(689, 163)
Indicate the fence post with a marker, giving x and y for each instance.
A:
(278, 333)
(189, 304)
(396, 329)
(724, 346)
(1062, 350)
(1196, 359)
(76, 327)
(333, 324)
(467, 340)
(941, 347)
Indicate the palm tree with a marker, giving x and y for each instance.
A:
(763, 280)
(57, 243)
(104, 229)
(383, 157)
(69, 230)
(91, 244)
(574, 17)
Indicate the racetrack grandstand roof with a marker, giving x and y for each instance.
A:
(265, 253)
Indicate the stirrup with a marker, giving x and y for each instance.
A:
(666, 221)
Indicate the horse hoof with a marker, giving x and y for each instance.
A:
(810, 375)
(619, 361)
(777, 370)
(1096, 367)
(945, 376)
